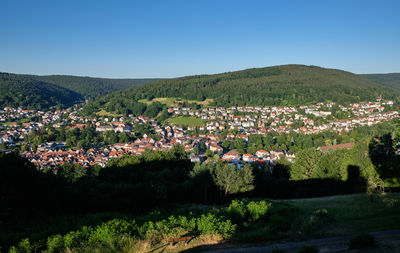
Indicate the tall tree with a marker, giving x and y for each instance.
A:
(232, 180)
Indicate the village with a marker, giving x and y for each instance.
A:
(234, 122)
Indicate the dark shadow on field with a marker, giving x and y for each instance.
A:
(282, 187)
(386, 160)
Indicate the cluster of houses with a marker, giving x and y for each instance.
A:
(244, 120)
(261, 120)
(52, 154)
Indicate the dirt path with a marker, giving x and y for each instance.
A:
(331, 244)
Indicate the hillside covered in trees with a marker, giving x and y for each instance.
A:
(279, 85)
(90, 87)
(17, 90)
(391, 80)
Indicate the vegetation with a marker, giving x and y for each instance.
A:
(85, 138)
(186, 121)
(17, 90)
(239, 220)
(391, 80)
(90, 87)
(280, 85)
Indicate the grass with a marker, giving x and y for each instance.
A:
(108, 114)
(352, 214)
(175, 101)
(186, 121)
(317, 217)
(165, 101)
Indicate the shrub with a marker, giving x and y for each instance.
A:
(237, 211)
(55, 243)
(257, 210)
(308, 249)
(110, 229)
(364, 241)
(24, 246)
(210, 224)
(320, 215)
(76, 238)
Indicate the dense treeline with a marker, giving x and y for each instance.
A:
(280, 85)
(17, 90)
(90, 87)
(391, 80)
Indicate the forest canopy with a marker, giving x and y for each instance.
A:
(288, 85)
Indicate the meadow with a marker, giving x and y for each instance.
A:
(240, 223)
(186, 121)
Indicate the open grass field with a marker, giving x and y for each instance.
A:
(175, 101)
(353, 214)
(165, 101)
(186, 121)
(346, 215)
(108, 114)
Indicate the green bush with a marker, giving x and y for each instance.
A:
(76, 238)
(258, 210)
(210, 224)
(308, 249)
(320, 215)
(363, 241)
(111, 228)
(237, 211)
(55, 243)
(24, 246)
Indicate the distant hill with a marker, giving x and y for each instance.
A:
(275, 86)
(18, 90)
(391, 80)
(90, 87)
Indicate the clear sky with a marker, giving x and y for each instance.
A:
(169, 38)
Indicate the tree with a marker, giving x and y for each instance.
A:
(282, 169)
(71, 171)
(330, 165)
(305, 164)
(232, 180)
(209, 153)
(201, 179)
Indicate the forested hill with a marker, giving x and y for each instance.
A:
(279, 85)
(391, 80)
(90, 87)
(18, 90)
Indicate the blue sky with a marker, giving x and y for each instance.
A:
(175, 38)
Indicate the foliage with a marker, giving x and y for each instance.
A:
(391, 80)
(248, 211)
(233, 180)
(90, 87)
(85, 138)
(279, 85)
(17, 90)
(305, 165)
(71, 171)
